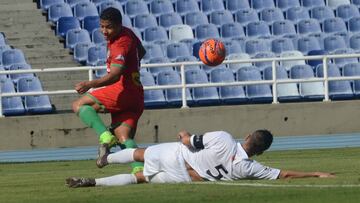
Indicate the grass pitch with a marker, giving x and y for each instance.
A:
(44, 182)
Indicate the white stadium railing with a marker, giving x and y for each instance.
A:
(183, 85)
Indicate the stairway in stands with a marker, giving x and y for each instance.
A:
(26, 28)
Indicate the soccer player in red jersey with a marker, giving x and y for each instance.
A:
(119, 92)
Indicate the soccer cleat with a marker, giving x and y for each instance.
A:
(74, 182)
(103, 152)
(137, 169)
(107, 138)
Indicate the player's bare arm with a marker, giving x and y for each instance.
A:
(285, 174)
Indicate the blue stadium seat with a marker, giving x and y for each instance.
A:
(208, 69)
(201, 95)
(261, 4)
(254, 46)
(97, 37)
(270, 15)
(109, 3)
(340, 62)
(286, 4)
(354, 24)
(312, 3)
(320, 36)
(75, 36)
(334, 25)
(155, 33)
(331, 43)
(143, 21)
(234, 6)
(152, 51)
(81, 51)
(2, 49)
(12, 56)
(241, 40)
(20, 66)
(255, 93)
(335, 3)
(353, 69)
(194, 19)
(57, 11)
(257, 29)
(205, 31)
(261, 55)
(91, 23)
(126, 21)
(96, 55)
(38, 104)
(356, 2)
(245, 16)
(208, 6)
(289, 63)
(281, 44)
(173, 96)
(3, 76)
(73, 3)
(187, 59)
(296, 14)
(308, 26)
(136, 7)
(45, 4)
(152, 98)
(316, 62)
(221, 17)
(2, 40)
(156, 70)
(228, 94)
(306, 44)
(347, 11)
(81, 10)
(355, 42)
(100, 73)
(169, 19)
(11, 106)
(184, 7)
(283, 27)
(66, 23)
(195, 49)
(180, 32)
(321, 13)
(239, 56)
(159, 7)
(32, 84)
(309, 90)
(231, 30)
(337, 89)
(232, 47)
(190, 43)
(176, 49)
(286, 92)
(163, 44)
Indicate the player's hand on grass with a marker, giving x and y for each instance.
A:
(184, 138)
(82, 87)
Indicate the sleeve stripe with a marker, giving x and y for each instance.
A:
(118, 65)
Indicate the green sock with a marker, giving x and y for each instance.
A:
(89, 116)
(130, 143)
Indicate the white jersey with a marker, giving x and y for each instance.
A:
(224, 159)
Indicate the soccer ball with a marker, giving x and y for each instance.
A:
(212, 52)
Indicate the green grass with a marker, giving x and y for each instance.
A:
(44, 182)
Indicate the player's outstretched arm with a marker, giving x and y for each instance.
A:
(285, 174)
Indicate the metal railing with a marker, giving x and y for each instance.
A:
(184, 86)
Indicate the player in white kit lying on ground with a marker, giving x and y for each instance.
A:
(213, 156)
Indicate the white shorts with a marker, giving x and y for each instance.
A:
(164, 164)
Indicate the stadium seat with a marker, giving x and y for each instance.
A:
(234, 6)
(221, 17)
(283, 27)
(152, 51)
(296, 14)
(159, 7)
(57, 11)
(100, 73)
(155, 33)
(201, 95)
(353, 69)
(354, 24)
(91, 23)
(20, 66)
(334, 25)
(321, 13)
(184, 7)
(2, 49)
(254, 46)
(306, 44)
(308, 26)
(208, 6)
(176, 49)
(312, 3)
(169, 19)
(104, 4)
(238, 56)
(32, 84)
(73, 3)
(228, 94)
(38, 104)
(262, 55)
(135, 7)
(340, 62)
(355, 42)
(46, 4)
(335, 3)
(309, 90)
(180, 32)
(347, 11)
(11, 106)
(194, 19)
(270, 15)
(281, 44)
(75, 36)
(81, 10)
(208, 69)
(97, 37)
(81, 51)
(156, 70)
(126, 21)
(143, 21)
(2, 40)
(152, 98)
(3, 76)
(173, 96)
(331, 43)
(245, 16)
(316, 62)
(257, 29)
(163, 44)
(261, 4)
(291, 54)
(320, 36)
(12, 56)
(286, 4)
(96, 55)
(255, 93)
(205, 31)
(286, 92)
(66, 23)
(356, 2)
(231, 30)
(232, 47)
(337, 89)
(189, 43)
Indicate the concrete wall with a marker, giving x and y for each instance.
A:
(65, 130)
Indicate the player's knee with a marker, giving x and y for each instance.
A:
(75, 106)
(139, 155)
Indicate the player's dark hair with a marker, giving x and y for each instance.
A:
(261, 140)
(111, 14)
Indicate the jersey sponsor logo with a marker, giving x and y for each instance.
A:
(120, 57)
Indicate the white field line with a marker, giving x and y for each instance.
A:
(272, 185)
